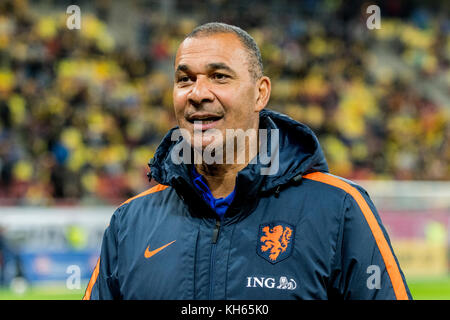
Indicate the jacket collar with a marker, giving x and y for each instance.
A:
(299, 153)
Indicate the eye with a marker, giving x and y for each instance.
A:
(183, 79)
(220, 76)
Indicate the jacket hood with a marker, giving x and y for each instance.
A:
(299, 153)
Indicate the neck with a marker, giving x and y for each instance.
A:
(221, 178)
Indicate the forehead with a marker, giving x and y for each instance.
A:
(217, 48)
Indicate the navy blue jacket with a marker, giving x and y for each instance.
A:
(301, 233)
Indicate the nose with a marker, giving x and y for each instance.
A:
(200, 92)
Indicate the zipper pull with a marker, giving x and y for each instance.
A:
(216, 232)
(277, 192)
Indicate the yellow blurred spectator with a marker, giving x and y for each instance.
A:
(356, 106)
(23, 170)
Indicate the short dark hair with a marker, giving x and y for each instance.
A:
(255, 60)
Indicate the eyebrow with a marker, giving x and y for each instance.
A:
(210, 67)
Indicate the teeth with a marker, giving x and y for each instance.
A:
(205, 121)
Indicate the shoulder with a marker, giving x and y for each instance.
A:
(357, 204)
(129, 214)
(141, 201)
(330, 182)
(146, 193)
(346, 192)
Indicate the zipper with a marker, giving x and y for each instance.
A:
(212, 262)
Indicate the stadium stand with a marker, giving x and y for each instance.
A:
(82, 111)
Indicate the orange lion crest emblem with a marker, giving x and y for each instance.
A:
(275, 241)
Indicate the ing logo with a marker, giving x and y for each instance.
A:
(284, 283)
(275, 241)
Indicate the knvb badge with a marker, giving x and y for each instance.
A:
(275, 241)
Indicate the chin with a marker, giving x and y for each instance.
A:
(210, 151)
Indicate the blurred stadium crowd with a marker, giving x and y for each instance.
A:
(81, 113)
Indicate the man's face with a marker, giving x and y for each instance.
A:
(213, 87)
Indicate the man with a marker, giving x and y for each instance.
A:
(227, 229)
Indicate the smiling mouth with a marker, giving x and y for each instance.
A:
(204, 120)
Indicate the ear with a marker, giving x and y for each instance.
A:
(263, 88)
